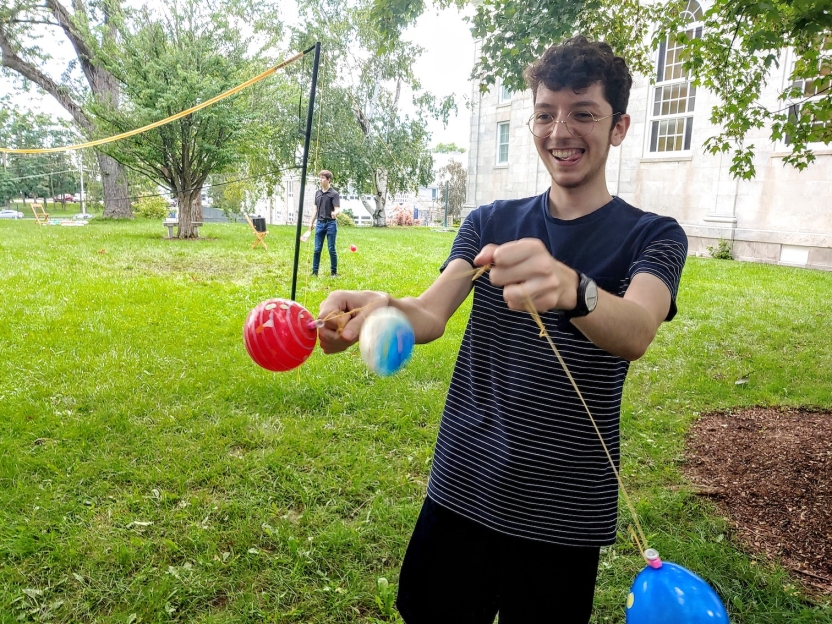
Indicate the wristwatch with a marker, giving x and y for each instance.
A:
(587, 297)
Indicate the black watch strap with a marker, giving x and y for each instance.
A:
(587, 297)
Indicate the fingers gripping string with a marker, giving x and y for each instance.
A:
(536, 317)
(478, 273)
(348, 313)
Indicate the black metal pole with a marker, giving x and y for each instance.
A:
(306, 141)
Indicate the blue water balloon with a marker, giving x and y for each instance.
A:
(666, 593)
(386, 341)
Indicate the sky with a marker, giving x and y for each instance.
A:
(443, 69)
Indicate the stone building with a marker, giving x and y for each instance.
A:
(782, 216)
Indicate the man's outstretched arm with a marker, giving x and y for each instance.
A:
(428, 313)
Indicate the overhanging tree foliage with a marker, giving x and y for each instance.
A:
(169, 63)
(39, 175)
(90, 28)
(743, 42)
(362, 135)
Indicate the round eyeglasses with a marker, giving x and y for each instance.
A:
(579, 123)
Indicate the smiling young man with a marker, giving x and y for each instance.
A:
(521, 496)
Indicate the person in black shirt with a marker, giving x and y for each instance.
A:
(328, 204)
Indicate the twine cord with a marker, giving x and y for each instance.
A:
(536, 317)
(529, 304)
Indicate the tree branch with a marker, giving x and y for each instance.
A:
(11, 60)
(101, 81)
(32, 21)
(85, 53)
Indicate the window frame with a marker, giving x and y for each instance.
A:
(675, 92)
(497, 160)
(502, 90)
(784, 144)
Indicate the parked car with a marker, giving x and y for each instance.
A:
(10, 214)
(66, 197)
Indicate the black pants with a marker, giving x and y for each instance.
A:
(457, 571)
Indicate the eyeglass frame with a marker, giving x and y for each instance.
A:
(566, 125)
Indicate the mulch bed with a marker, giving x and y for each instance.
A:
(770, 471)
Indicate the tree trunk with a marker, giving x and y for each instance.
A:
(380, 197)
(116, 191)
(379, 216)
(190, 212)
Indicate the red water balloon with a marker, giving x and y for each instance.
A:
(353, 248)
(279, 334)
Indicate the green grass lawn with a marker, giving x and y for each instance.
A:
(150, 472)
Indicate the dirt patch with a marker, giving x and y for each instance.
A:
(770, 470)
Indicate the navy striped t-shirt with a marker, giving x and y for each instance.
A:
(516, 450)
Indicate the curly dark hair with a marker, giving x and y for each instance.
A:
(576, 64)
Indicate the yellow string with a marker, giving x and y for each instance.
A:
(156, 124)
(536, 316)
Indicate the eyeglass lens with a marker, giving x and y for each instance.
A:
(578, 123)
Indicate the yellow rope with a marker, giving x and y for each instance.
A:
(536, 316)
(156, 124)
(642, 545)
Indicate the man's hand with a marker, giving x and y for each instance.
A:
(527, 270)
(341, 330)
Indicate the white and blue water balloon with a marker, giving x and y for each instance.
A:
(386, 341)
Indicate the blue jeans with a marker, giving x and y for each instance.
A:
(325, 230)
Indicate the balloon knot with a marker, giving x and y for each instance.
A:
(653, 560)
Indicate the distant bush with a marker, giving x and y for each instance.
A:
(344, 220)
(154, 207)
(400, 215)
(722, 250)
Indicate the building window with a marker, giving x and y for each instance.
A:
(290, 188)
(503, 95)
(810, 90)
(674, 96)
(502, 143)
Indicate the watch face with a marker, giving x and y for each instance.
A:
(591, 295)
